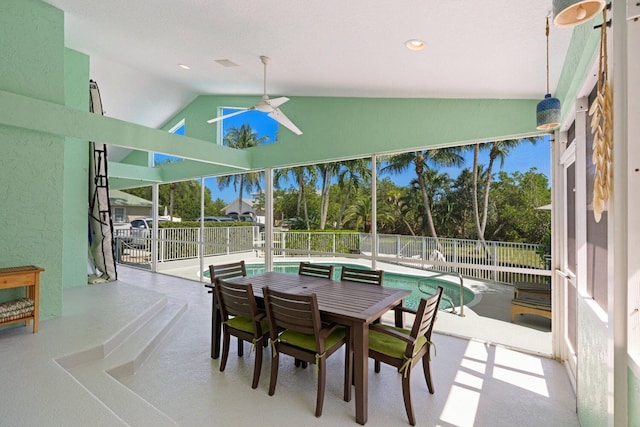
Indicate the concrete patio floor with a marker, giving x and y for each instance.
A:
(136, 352)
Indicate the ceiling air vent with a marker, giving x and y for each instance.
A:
(226, 63)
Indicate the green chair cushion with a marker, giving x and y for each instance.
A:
(245, 324)
(392, 346)
(308, 341)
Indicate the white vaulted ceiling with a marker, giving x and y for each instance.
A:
(355, 48)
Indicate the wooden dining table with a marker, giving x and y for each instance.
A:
(351, 304)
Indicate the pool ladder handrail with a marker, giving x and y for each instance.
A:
(445, 297)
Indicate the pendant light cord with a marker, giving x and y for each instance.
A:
(547, 35)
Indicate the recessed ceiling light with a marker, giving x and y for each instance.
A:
(184, 67)
(414, 44)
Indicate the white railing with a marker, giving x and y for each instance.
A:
(496, 261)
(185, 243)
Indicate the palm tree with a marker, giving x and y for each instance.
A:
(397, 202)
(420, 160)
(241, 138)
(304, 176)
(498, 150)
(437, 186)
(326, 171)
(353, 175)
(361, 215)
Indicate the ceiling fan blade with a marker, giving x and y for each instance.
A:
(226, 116)
(276, 102)
(279, 117)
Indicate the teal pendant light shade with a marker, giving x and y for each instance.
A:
(548, 113)
(568, 13)
(548, 110)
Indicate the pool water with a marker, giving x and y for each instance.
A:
(416, 284)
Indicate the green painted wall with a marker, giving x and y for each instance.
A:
(32, 35)
(203, 108)
(76, 158)
(592, 367)
(634, 400)
(355, 127)
(32, 163)
(582, 52)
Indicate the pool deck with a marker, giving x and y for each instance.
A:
(486, 318)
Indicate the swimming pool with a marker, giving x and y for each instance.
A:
(392, 280)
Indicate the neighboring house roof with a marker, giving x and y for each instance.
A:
(120, 198)
(247, 205)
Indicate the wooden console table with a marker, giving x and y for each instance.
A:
(17, 277)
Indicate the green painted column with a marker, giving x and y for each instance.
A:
(32, 164)
(75, 175)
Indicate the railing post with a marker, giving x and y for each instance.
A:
(162, 244)
(228, 240)
(333, 249)
(494, 255)
(455, 251)
(283, 244)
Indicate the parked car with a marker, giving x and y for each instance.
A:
(141, 230)
(122, 231)
(249, 218)
(216, 219)
(233, 218)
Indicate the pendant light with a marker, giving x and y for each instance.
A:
(568, 13)
(548, 110)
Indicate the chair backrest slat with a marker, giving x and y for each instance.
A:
(227, 271)
(236, 300)
(359, 275)
(425, 318)
(316, 270)
(297, 313)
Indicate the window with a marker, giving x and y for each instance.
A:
(159, 158)
(260, 122)
(119, 215)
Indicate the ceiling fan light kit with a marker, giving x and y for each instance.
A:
(548, 110)
(267, 105)
(568, 13)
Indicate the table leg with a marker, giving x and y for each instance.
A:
(399, 317)
(216, 327)
(361, 370)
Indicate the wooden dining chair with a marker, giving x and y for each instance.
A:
(296, 330)
(242, 319)
(313, 270)
(224, 272)
(316, 270)
(227, 271)
(367, 277)
(360, 275)
(403, 348)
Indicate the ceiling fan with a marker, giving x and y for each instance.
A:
(267, 105)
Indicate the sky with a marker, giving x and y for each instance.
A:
(522, 158)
